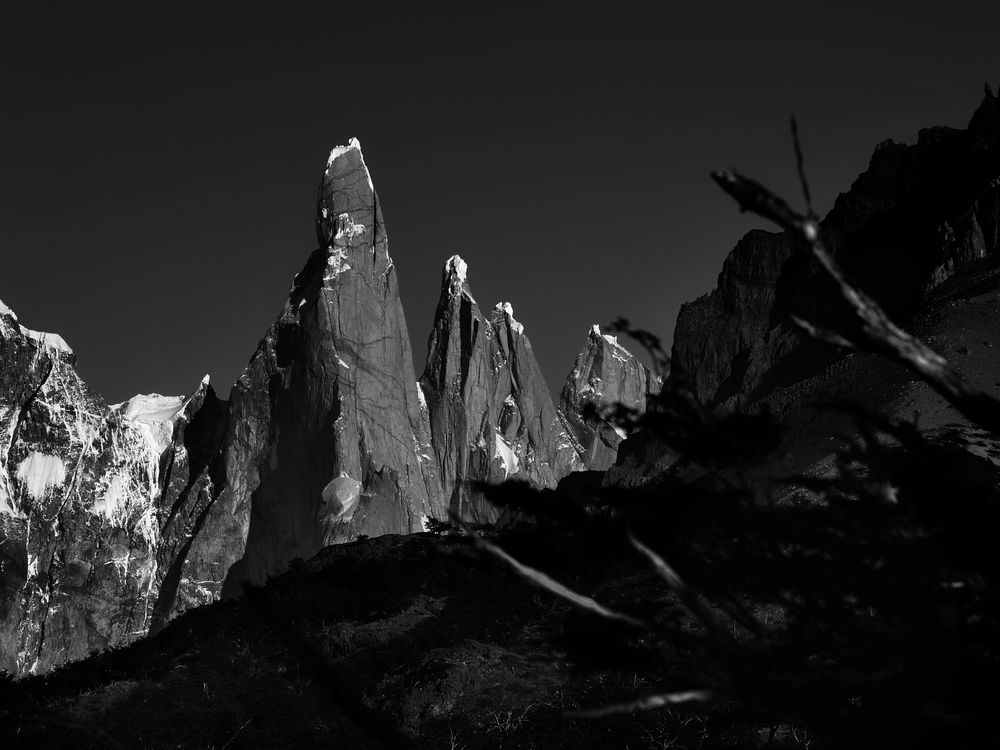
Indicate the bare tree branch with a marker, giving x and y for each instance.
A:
(644, 704)
(540, 579)
(800, 168)
(821, 333)
(686, 594)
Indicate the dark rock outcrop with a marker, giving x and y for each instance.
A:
(491, 415)
(917, 215)
(326, 430)
(199, 542)
(605, 374)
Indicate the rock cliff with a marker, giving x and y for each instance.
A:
(94, 512)
(327, 439)
(491, 415)
(605, 374)
(909, 222)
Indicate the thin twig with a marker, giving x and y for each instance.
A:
(230, 740)
(540, 579)
(686, 594)
(800, 168)
(644, 704)
(820, 333)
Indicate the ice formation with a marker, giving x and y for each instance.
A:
(507, 455)
(39, 472)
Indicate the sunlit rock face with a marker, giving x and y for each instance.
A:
(917, 216)
(491, 415)
(328, 440)
(87, 518)
(605, 374)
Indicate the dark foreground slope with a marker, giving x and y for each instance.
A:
(960, 321)
(397, 641)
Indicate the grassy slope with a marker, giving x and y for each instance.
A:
(417, 633)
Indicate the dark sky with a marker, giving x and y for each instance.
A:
(159, 168)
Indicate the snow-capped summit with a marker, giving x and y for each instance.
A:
(454, 279)
(339, 151)
(52, 341)
(508, 309)
(456, 268)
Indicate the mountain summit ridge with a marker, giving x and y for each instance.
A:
(116, 519)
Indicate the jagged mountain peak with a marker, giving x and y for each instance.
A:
(157, 416)
(596, 333)
(454, 277)
(98, 504)
(329, 397)
(346, 191)
(605, 373)
(491, 415)
(505, 311)
(162, 503)
(337, 151)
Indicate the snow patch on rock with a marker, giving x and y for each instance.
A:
(618, 352)
(456, 277)
(340, 497)
(40, 472)
(47, 340)
(508, 309)
(505, 453)
(346, 228)
(114, 499)
(51, 341)
(337, 263)
(339, 151)
(456, 268)
(6, 503)
(352, 145)
(156, 417)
